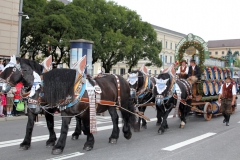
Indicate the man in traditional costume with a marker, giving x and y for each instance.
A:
(227, 97)
(183, 70)
(193, 72)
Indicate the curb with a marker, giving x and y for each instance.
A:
(17, 118)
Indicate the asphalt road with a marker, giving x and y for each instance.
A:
(199, 140)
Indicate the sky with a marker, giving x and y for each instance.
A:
(208, 19)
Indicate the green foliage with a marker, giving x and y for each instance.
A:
(118, 33)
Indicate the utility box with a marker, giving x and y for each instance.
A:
(79, 48)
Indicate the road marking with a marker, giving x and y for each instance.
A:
(238, 104)
(45, 137)
(187, 142)
(67, 156)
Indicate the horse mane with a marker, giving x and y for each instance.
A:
(58, 84)
(33, 64)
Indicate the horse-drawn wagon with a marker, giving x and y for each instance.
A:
(205, 91)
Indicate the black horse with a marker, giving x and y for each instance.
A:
(170, 93)
(59, 86)
(141, 92)
(23, 72)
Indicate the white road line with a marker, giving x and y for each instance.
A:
(45, 137)
(239, 122)
(67, 156)
(187, 142)
(238, 104)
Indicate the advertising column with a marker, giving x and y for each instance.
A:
(79, 48)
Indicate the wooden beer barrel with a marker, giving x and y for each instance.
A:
(211, 88)
(206, 73)
(215, 107)
(211, 73)
(222, 74)
(217, 74)
(217, 87)
(205, 88)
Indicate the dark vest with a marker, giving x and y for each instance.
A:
(227, 91)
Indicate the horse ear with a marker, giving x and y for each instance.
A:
(137, 74)
(27, 74)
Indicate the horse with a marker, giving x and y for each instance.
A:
(171, 93)
(59, 91)
(25, 72)
(141, 92)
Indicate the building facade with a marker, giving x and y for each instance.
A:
(219, 48)
(8, 27)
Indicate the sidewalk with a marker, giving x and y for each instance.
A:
(18, 118)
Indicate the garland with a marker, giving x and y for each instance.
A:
(196, 45)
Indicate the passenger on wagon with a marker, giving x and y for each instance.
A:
(194, 72)
(227, 97)
(183, 70)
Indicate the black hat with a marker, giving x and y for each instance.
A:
(193, 61)
(228, 77)
(184, 61)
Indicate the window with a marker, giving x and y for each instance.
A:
(210, 53)
(222, 52)
(171, 46)
(170, 59)
(165, 59)
(122, 71)
(166, 45)
(149, 71)
(161, 57)
(216, 53)
(114, 71)
(155, 72)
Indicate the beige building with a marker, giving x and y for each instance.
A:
(169, 41)
(219, 48)
(8, 27)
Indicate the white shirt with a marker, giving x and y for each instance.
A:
(179, 70)
(233, 89)
(193, 67)
(1, 67)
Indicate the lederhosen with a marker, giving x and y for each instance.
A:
(184, 76)
(226, 102)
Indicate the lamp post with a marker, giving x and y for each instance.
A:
(20, 15)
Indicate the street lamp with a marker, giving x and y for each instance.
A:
(20, 15)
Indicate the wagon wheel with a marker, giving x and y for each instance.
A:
(207, 108)
(233, 109)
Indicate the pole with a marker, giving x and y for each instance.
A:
(20, 13)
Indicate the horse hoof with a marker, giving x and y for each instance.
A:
(160, 132)
(158, 124)
(24, 148)
(87, 148)
(75, 137)
(113, 141)
(144, 127)
(136, 130)
(50, 144)
(57, 151)
(181, 126)
(128, 136)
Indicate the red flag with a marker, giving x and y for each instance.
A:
(144, 69)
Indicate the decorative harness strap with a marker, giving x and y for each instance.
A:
(118, 88)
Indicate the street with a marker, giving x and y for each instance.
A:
(199, 140)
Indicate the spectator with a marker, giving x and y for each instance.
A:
(2, 103)
(10, 96)
(1, 67)
(17, 98)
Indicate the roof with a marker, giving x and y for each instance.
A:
(65, 1)
(224, 43)
(168, 30)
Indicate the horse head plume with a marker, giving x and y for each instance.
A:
(47, 63)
